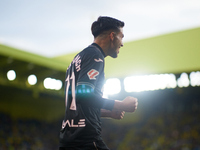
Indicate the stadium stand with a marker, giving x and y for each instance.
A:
(169, 122)
(30, 116)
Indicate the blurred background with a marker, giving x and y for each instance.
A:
(159, 64)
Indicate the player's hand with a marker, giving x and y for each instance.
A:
(130, 104)
(117, 114)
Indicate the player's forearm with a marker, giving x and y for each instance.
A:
(118, 105)
(91, 99)
(129, 104)
(105, 113)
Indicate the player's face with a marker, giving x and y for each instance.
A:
(116, 43)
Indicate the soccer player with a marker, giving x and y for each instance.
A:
(81, 127)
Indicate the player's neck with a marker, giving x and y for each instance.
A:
(103, 44)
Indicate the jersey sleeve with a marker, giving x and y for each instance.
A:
(91, 68)
(90, 76)
(91, 99)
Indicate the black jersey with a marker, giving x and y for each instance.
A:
(83, 98)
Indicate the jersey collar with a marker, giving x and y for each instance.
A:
(99, 48)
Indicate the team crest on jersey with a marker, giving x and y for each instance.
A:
(92, 74)
(98, 60)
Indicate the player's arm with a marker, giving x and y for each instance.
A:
(86, 86)
(91, 99)
(86, 93)
(129, 104)
(112, 114)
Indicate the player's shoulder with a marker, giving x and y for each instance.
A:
(91, 52)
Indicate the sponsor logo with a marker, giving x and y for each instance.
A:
(70, 123)
(92, 74)
(98, 60)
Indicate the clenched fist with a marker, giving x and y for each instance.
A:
(129, 104)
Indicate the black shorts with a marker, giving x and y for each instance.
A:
(97, 145)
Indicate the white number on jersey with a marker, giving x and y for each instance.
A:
(73, 103)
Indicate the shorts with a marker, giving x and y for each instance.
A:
(97, 145)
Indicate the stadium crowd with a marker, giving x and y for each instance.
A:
(160, 132)
(23, 134)
(174, 125)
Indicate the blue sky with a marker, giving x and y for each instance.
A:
(57, 27)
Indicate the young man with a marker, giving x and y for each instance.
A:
(81, 127)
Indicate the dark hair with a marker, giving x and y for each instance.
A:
(104, 24)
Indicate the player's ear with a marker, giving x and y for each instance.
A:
(112, 36)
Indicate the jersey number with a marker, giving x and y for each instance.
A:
(73, 103)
